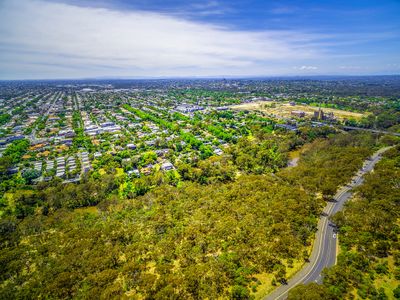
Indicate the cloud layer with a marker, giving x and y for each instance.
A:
(39, 35)
(54, 39)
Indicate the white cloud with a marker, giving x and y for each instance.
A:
(394, 66)
(306, 68)
(84, 41)
(352, 67)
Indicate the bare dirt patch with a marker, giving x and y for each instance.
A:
(284, 110)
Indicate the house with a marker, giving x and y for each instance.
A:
(71, 164)
(286, 127)
(218, 151)
(162, 152)
(17, 128)
(97, 155)
(298, 113)
(107, 124)
(90, 128)
(150, 143)
(86, 166)
(72, 180)
(134, 172)
(166, 166)
(70, 134)
(11, 171)
(67, 142)
(146, 170)
(15, 138)
(133, 126)
(60, 173)
(38, 166)
(93, 133)
(49, 165)
(188, 108)
(112, 129)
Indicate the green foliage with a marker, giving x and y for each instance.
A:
(334, 161)
(206, 151)
(396, 292)
(81, 140)
(197, 232)
(76, 120)
(197, 239)
(311, 133)
(145, 116)
(190, 139)
(30, 174)
(311, 291)
(40, 123)
(212, 170)
(219, 132)
(5, 163)
(4, 118)
(17, 110)
(255, 156)
(16, 150)
(148, 157)
(240, 292)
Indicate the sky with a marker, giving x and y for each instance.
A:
(61, 39)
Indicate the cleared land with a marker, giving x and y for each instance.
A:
(284, 109)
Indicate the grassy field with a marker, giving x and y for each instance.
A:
(284, 109)
(388, 282)
(266, 286)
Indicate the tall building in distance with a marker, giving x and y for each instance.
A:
(320, 115)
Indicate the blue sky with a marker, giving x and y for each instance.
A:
(156, 38)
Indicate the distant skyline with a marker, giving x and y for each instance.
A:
(43, 39)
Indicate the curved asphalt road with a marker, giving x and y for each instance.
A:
(325, 245)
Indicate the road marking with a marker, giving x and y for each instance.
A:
(337, 250)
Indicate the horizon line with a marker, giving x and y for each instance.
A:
(221, 77)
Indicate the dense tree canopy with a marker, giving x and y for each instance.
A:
(198, 232)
